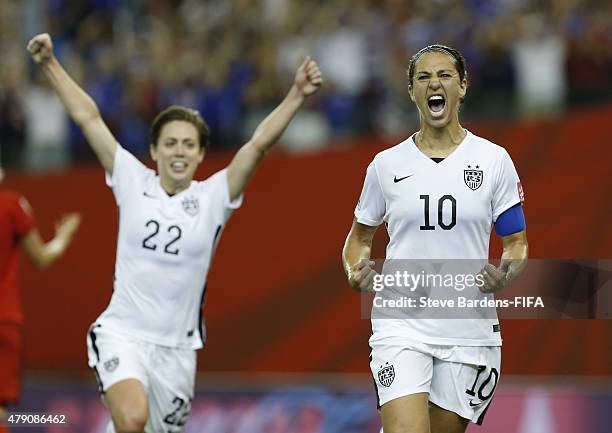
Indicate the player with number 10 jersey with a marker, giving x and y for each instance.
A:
(439, 211)
(439, 194)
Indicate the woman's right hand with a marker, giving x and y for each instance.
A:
(40, 48)
(361, 276)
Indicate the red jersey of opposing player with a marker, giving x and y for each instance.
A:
(15, 221)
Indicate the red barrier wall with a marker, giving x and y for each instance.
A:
(277, 296)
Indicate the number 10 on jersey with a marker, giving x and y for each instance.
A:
(445, 200)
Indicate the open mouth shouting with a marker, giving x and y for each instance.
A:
(436, 104)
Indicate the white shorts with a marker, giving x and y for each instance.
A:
(167, 374)
(461, 379)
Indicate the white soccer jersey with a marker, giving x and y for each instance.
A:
(164, 249)
(440, 210)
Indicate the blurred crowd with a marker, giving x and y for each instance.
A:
(233, 60)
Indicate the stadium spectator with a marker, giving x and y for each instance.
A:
(230, 59)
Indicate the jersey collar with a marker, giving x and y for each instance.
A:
(460, 148)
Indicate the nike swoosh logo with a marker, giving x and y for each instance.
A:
(475, 404)
(148, 195)
(396, 179)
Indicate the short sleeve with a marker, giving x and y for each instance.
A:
(217, 188)
(371, 207)
(507, 190)
(23, 217)
(126, 169)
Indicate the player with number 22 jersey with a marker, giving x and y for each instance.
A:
(142, 347)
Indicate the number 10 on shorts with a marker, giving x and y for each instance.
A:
(486, 388)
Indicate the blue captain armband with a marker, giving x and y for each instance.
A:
(511, 221)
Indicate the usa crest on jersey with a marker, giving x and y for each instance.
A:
(191, 205)
(473, 177)
(112, 364)
(386, 375)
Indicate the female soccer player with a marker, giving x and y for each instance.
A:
(18, 231)
(142, 347)
(439, 192)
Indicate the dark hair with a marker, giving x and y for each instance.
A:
(456, 55)
(177, 112)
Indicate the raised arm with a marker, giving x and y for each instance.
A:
(356, 257)
(79, 104)
(307, 81)
(42, 254)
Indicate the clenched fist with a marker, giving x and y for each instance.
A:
(308, 77)
(40, 48)
(361, 276)
(495, 278)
